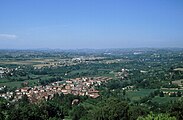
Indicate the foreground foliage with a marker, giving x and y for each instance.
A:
(157, 117)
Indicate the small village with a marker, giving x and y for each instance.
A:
(79, 86)
(4, 71)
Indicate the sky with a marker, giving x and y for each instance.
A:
(98, 24)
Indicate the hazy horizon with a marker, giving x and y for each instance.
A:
(96, 24)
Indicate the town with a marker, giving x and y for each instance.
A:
(79, 86)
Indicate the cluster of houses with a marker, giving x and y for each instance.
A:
(66, 62)
(4, 71)
(173, 94)
(172, 91)
(79, 86)
(122, 74)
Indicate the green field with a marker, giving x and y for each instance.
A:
(33, 81)
(137, 95)
(164, 99)
(18, 83)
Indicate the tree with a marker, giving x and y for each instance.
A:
(156, 92)
(26, 112)
(152, 116)
(176, 109)
(78, 112)
(111, 109)
(1, 116)
(52, 109)
(161, 94)
(136, 111)
(124, 92)
(179, 94)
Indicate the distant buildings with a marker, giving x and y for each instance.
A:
(78, 86)
(4, 71)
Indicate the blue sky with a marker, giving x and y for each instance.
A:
(71, 24)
